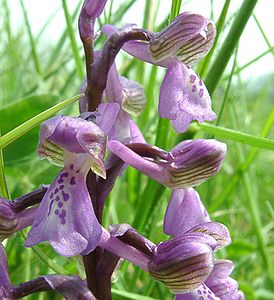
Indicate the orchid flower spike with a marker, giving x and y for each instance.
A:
(66, 217)
(12, 221)
(188, 164)
(185, 41)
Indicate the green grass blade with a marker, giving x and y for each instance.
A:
(77, 57)
(236, 30)
(252, 205)
(7, 23)
(240, 69)
(123, 295)
(227, 89)
(35, 56)
(263, 34)
(244, 166)
(3, 183)
(14, 134)
(238, 136)
(57, 49)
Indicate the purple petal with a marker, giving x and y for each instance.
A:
(66, 217)
(194, 161)
(216, 230)
(134, 99)
(222, 269)
(74, 135)
(189, 36)
(107, 115)
(184, 97)
(201, 293)
(188, 164)
(71, 287)
(113, 91)
(147, 167)
(5, 284)
(184, 211)
(184, 267)
(226, 288)
(136, 134)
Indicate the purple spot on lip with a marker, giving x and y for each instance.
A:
(51, 195)
(63, 221)
(77, 171)
(56, 212)
(200, 82)
(65, 174)
(64, 213)
(60, 204)
(57, 198)
(72, 181)
(50, 206)
(71, 166)
(61, 187)
(201, 93)
(199, 292)
(194, 88)
(192, 78)
(65, 196)
(56, 191)
(60, 181)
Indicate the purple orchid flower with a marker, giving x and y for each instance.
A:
(188, 164)
(186, 213)
(183, 95)
(12, 221)
(186, 261)
(5, 284)
(66, 217)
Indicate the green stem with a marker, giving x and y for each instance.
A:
(77, 58)
(236, 30)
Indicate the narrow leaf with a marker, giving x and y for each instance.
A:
(31, 123)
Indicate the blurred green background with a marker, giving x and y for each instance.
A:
(40, 67)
